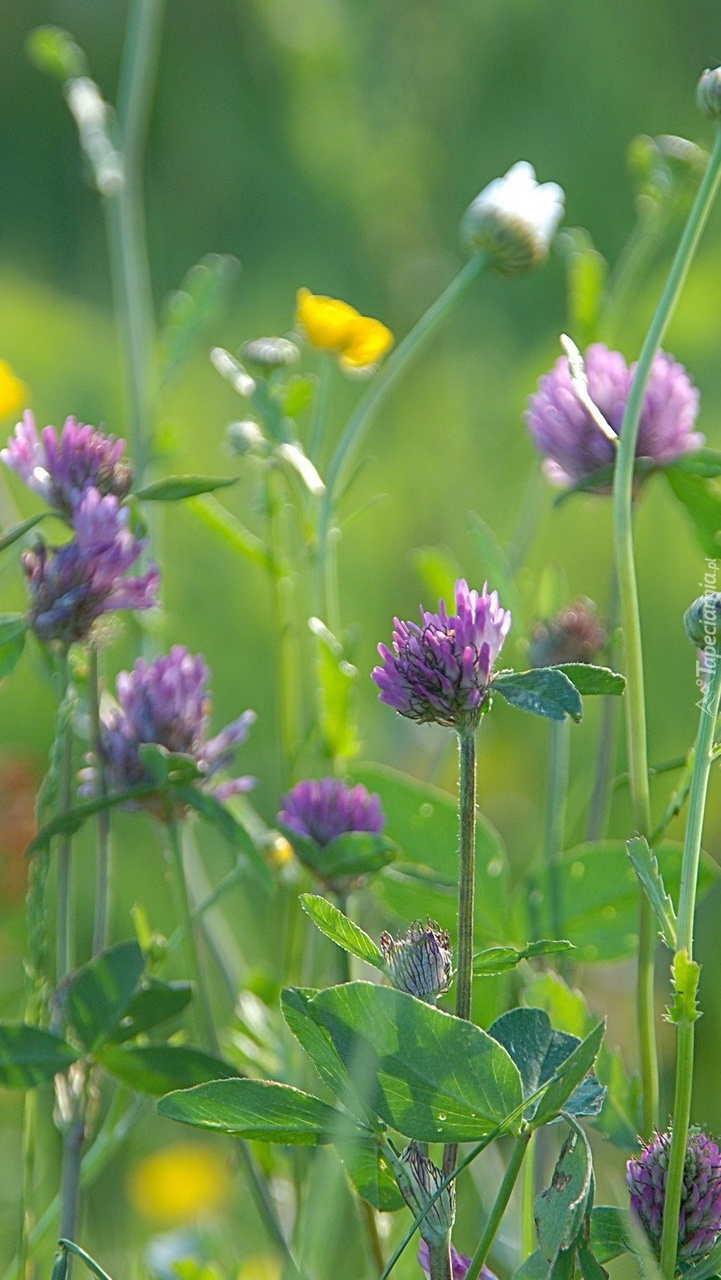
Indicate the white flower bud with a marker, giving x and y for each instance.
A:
(514, 219)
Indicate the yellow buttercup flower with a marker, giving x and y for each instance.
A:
(371, 340)
(13, 392)
(185, 1180)
(335, 326)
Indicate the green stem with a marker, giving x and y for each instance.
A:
(320, 413)
(528, 1200)
(499, 1208)
(390, 373)
(112, 1135)
(103, 872)
(27, 1207)
(381, 387)
(206, 1025)
(466, 891)
(285, 629)
(630, 614)
(555, 825)
(703, 758)
(600, 806)
(126, 225)
(64, 939)
(440, 1260)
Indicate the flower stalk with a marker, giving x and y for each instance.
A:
(206, 1025)
(501, 1202)
(103, 866)
(630, 614)
(703, 759)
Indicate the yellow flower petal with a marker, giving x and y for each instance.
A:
(13, 392)
(370, 341)
(178, 1182)
(328, 323)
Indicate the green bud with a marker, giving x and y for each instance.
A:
(418, 1179)
(702, 621)
(54, 51)
(708, 93)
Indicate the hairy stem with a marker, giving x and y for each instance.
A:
(466, 891)
(555, 824)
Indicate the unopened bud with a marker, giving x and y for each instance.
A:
(267, 354)
(421, 963)
(418, 1179)
(514, 219)
(708, 93)
(702, 621)
(244, 437)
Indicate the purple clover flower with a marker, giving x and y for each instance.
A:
(575, 448)
(700, 1216)
(166, 702)
(324, 808)
(61, 466)
(441, 671)
(73, 585)
(459, 1264)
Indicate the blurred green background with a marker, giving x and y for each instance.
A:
(336, 145)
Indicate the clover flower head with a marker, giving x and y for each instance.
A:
(708, 93)
(700, 1215)
(324, 808)
(12, 390)
(574, 635)
(441, 670)
(420, 963)
(73, 585)
(334, 326)
(166, 702)
(514, 219)
(574, 445)
(460, 1263)
(60, 466)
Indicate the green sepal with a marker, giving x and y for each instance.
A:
(355, 853)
